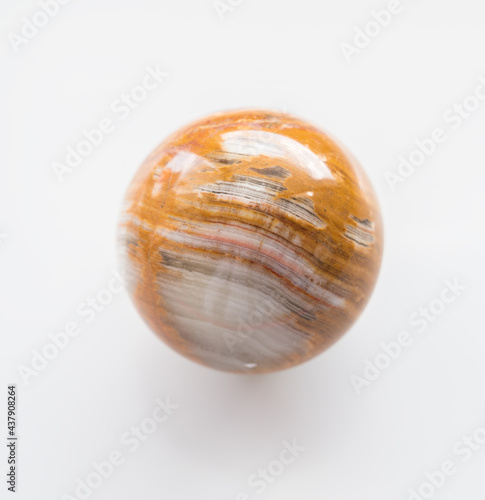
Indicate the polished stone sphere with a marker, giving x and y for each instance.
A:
(251, 241)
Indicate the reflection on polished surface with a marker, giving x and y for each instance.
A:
(251, 240)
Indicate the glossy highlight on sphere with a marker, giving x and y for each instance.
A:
(251, 241)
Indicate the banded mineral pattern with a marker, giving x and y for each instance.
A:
(251, 241)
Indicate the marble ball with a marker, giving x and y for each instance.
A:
(251, 241)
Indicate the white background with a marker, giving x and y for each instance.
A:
(58, 248)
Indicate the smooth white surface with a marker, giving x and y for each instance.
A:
(59, 249)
